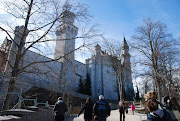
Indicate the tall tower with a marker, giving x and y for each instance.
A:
(98, 85)
(66, 33)
(127, 74)
(125, 53)
(18, 33)
(4, 53)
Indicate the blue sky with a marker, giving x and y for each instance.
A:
(123, 16)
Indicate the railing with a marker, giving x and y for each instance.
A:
(21, 100)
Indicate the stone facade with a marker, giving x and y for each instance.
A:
(64, 74)
(4, 52)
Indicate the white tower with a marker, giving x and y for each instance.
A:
(127, 74)
(66, 33)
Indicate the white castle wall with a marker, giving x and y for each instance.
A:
(45, 75)
(109, 83)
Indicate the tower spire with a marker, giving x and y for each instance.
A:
(124, 41)
(125, 47)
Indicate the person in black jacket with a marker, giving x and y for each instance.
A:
(101, 109)
(88, 110)
(60, 108)
(122, 109)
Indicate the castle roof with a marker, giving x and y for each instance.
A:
(124, 41)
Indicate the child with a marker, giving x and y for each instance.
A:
(132, 108)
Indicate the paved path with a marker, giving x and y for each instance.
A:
(114, 117)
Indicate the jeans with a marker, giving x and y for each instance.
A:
(133, 112)
(59, 118)
(122, 113)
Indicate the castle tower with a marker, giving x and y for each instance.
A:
(127, 74)
(66, 33)
(18, 33)
(125, 53)
(97, 50)
(98, 78)
(4, 53)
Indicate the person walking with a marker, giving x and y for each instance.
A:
(60, 108)
(126, 105)
(88, 110)
(101, 109)
(122, 109)
(132, 108)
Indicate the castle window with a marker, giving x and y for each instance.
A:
(72, 30)
(75, 31)
(68, 28)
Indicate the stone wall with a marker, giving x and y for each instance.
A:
(42, 114)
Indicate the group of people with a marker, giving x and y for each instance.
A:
(97, 112)
(168, 110)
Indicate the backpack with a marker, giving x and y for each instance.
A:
(173, 114)
(166, 116)
(102, 109)
(121, 108)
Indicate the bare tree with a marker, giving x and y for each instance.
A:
(39, 19)
(155, 45)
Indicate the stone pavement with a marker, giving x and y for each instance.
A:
(114, 117)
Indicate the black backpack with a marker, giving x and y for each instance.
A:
(166, 116)
(121, 108)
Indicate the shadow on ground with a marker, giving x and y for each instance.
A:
(70, 118)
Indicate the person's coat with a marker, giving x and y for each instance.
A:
(159, 115)
(60, 108)
(102, 109)
(88, 111)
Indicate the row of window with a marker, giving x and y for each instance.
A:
(71, 30)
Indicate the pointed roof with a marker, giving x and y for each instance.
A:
(67, 14)
(124, 41)
(97, 45)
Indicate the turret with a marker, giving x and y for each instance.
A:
(97, 50)
(127, 74)
(125, 52)
(18, 33)
(4, 53)
(66, 34)
(67, 17)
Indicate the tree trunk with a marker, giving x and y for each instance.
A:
(121, 85)
(9, 95)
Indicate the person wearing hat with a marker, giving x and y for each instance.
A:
(101, 109)
(60, 108)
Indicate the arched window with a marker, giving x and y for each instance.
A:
(72, 30)
(68, 28)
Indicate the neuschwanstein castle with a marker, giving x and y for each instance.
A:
(65, 73)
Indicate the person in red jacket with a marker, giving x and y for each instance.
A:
(132, 108)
